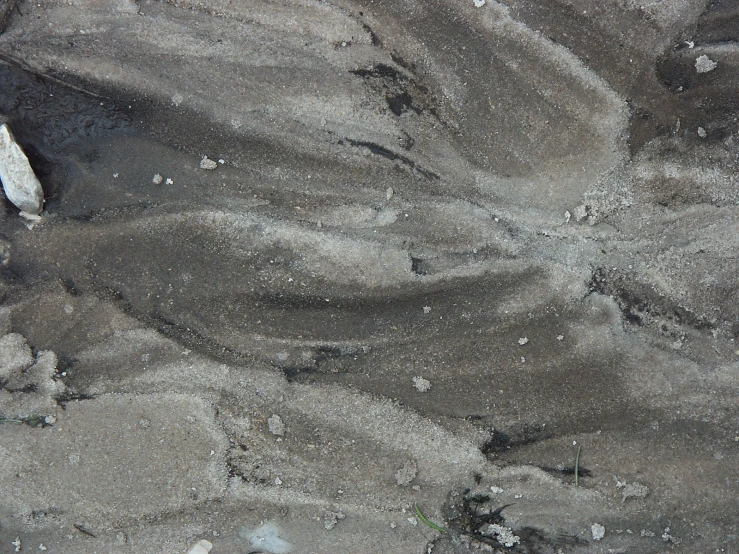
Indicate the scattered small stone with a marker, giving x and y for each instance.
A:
(568, 216)
(427, 309)
(42, 547)
(205, 163)
(523, 340)
(704, 64)
(121, 537)
(50, 420)
(690, 44)
(201, 547)
(276, 426)
(169, 181)
(560, 337)
(645, 533)
(157, 179)
(17, 544)
(479, 3)
(413, 521)
(667, 537)
(221, 161)
(115, 175)
(423, 385)
(496, 490)
(389, 193)
(702, 132)
(330, 519)
(517, 496)
(598, 531)
(406, 474)
(20, 183)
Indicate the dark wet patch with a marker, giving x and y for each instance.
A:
(401, 103)
(640, 305)
(71, 395)
(712, 96)
(45, 108)
(380, 71)
(390, 155)
(31, 387)
(500, 441)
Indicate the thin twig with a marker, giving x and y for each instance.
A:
(577, 465)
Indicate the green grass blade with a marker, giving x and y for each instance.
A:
(427, 522)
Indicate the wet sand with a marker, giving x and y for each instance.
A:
(306, 266)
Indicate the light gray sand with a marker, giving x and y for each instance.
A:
(396, 254)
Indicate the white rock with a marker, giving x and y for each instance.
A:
(20, 183)
(702, 132)
(633, 490)
(598, 531)
(523, 340)
(704, 64)
(479, 3)
(157, 179)
(423, 385)
(201, 547)
(206, 163)
(504, 535)
(276, 426)
(389, 193)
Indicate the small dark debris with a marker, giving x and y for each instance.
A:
(84, 530)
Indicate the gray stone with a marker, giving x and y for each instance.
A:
(20, 183)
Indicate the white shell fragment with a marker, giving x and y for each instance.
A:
(201, 547)
(20, 183)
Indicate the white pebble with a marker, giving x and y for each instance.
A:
(205, 163)
(598, 531)
(276, 426)
(423, 385)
